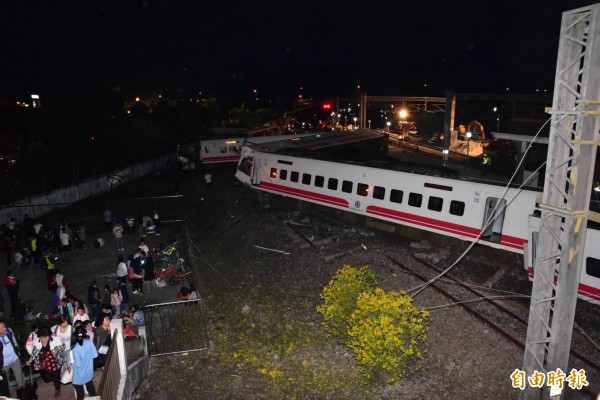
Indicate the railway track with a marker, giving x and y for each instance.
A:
(489, 316)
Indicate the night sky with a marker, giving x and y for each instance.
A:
(228, 48)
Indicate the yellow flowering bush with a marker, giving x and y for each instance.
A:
(386, 330)
(340, 295)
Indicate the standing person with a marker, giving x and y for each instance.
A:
(94, 298)
(130, 224)
(156, 222)
(115, 301)
(84, 353)
(122, 270)
(12, 286)
(10, 354)
(149, 282)
(48, 263)
(48, 356)
(124, 295)
(35, 249)
(208, 180)
(64, 238)
(63, 331)
(118, 233)
(107, 218)
(106, 295)
(143, 246)
(138, 273)
(103, 339)
(81, 315)
(80, 237)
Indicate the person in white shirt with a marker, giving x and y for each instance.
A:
(81, 315)
(122, 270)
(144, 247)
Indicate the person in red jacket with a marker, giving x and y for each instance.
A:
(12, 286)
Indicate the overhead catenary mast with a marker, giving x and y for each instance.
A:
(574, 137)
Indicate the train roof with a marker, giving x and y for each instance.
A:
(319, 140)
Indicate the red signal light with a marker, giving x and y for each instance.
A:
(326, 106)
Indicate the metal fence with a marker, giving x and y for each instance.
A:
(176, 327)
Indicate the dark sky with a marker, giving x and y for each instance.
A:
(229, 48)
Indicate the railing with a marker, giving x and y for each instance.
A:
(168, 326)
(111, 377)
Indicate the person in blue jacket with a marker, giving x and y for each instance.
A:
(84, 353)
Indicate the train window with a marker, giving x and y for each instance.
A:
(435, 203)
(347, 186)
(415, 199)
(306, 178)
(592, 267)
(283, 174)
(233, 149)
(362, 189)
(223, 149)
(319, 181)
(206, 150)
(396, 196)
(294, 176)
(332, 184)
(273, 173)
(378, 192)
(457, 208)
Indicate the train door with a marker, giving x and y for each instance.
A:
(493, 219)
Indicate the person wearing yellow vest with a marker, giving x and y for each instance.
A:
(48, 263)
(35, 249)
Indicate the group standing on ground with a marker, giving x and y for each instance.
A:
(51, 344)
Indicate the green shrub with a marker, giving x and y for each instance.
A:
(386, 332)
(340, 295)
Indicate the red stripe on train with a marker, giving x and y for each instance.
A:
(223, 158)
(508, 241)
(305, 194)
(584, 290)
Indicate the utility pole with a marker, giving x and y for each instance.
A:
(572, 148)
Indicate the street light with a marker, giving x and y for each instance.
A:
(388, 125)
(469, 134)
(445, 155)
(369, 124)
(355, 122)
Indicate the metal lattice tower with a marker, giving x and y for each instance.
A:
(572, 148)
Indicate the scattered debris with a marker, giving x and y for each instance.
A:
(276, 251)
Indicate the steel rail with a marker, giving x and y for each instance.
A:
(504, 309)
(475, 314)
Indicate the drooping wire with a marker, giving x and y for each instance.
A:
(493, 215)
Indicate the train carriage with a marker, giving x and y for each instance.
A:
(495, 216)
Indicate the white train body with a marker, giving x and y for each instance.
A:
(451, 207)
(213, 151)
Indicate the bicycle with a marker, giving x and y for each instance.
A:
(167, 256)
(173, 274)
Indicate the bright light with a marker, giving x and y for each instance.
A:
(403, 113)
(597, 188)
(35, 96)
(495, 109)
(469, 134)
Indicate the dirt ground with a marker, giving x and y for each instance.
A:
(261, 281)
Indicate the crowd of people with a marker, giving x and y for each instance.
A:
(73, 338)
